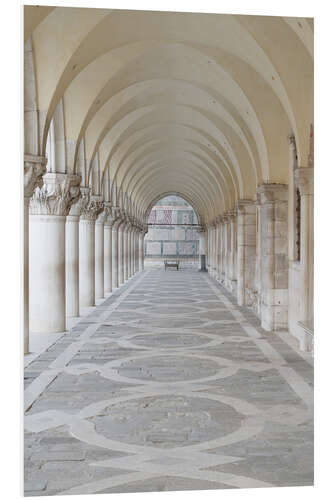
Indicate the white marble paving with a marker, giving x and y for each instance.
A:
(167, 391)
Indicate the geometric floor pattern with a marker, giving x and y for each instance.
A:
(168, 385)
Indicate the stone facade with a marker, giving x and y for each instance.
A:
(172, 233)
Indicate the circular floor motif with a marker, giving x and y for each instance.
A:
(168, 368)
(167, 421)
(171, 310)
(170, 340)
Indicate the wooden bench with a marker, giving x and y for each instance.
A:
(171, 263)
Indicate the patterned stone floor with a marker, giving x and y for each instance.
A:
(168, 385)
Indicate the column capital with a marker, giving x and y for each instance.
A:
(243, 206)
(271, 193)
(78, 205)
(92, 209)
(231, 214)
(56, 195)
(304, 180)
(34, 169)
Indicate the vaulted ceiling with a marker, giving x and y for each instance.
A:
(155, 102)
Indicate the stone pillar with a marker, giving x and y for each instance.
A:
(108, 249)
(121, 251)
(231, 282)
(49, 207)
(273, 255)
(202, 249)
(134, 234)
(126, 249)
(72, 266)
(218, 248)
(34, 169)
(213, 262)
(246, 252)
(99, 254)
(87, 252)
(304, 182)
(141, 250)
(72, 254)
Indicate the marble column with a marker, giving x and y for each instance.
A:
(218, 248)
(72, 254)
(202, 248)
(304, 182)
(108, 249)
(99, 254)
(34, 169)
(125, 249)
(141, 250)
(232, 274)
(210, 267)
(121, 251)
(87, 252)
(49, 207)
(117, 219)
(246, 252)
(133, 249)
(273, 256)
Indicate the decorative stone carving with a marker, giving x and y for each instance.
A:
(77, 207)
(56, 195)
(34, 169)
(92, 209)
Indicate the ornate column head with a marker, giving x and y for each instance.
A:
(56, 195)
(270, 193)
(242, 205)
(91, 208)
(231, 214)
(34, 169)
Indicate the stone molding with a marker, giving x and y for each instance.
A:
(231, 214)
(242, 205)
(56, 195)
(34, 169)
(304, 180)
(272, 193)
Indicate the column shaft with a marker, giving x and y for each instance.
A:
(47, 273)
(107, 258)
(115, 259)
(87, 263)
(72, 266)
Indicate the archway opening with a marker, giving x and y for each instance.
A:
(172, 233)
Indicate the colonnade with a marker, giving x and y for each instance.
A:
(248, 251)
(78, 248)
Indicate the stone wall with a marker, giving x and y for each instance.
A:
(172, 234)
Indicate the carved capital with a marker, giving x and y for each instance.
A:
(34, 169)
(56, 195)
(272, 193)
(77, 207)
(304, 180)
(244, 206)
(92, 209)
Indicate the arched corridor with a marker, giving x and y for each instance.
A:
(129, 370)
